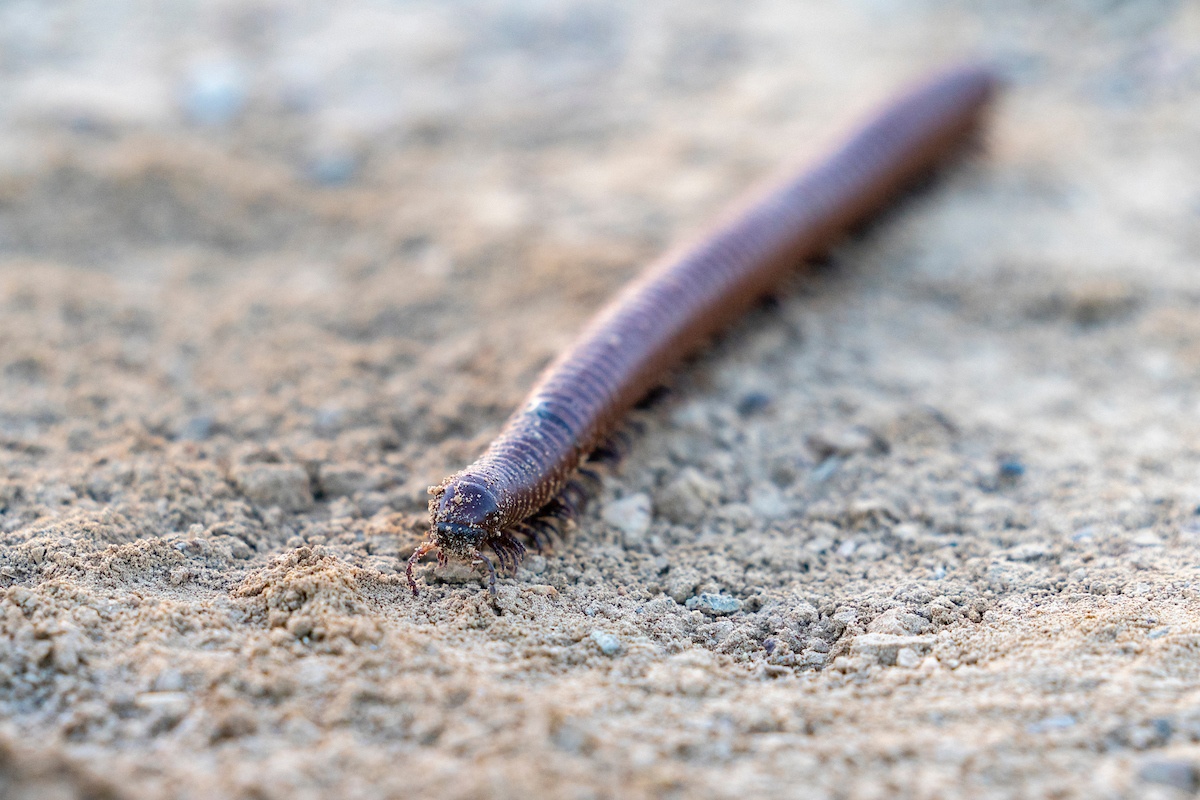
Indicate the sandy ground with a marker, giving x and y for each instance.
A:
(925, 526)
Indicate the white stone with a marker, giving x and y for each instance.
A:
(630, 515)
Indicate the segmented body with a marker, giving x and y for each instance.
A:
(679, 302)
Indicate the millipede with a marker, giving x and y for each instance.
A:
(529, 473)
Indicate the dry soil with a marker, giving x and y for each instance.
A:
(923, 526)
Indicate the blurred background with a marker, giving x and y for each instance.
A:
(410, 169)
(495, 113)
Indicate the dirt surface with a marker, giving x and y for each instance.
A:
(924, 526)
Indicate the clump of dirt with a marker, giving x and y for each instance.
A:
(311, 595)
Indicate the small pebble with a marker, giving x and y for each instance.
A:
(329, 420)
(1144, 735)
(1100, 301)
(1146, 539)
(884, 648)
(79, 440)
(344, 480)
(825, 470)
(1028, 552)
(197, 429)
(1010, 469)
(752, 403)
(815, 659)
(1178, 774)
(332, 166)
(686, 499)
(714, 605)
(631, 515)
(65, 654)
(908, 658)
(739, 515)
(214, 91)
(819, 544)
(898, 623)
(844, 443)
(237, 548)
(173, 703)
(680, 584)
(768, 502)
(609, 644)
(282, 485)
(846, 616)
(1056, 723)
(169, 680)
(535, 563)
(871, 551)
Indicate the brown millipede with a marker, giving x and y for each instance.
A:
(676, 305)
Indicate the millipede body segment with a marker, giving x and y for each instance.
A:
(677, 304)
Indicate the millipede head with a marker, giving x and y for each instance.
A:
(460, 541)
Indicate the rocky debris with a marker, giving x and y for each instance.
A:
(630, 515)
(282, 485)
(898, 622)
(1089, 303)
(1143, 735)
(311, 595)
(1058, 722)
(686, 499)
(714, 605)
(753, 403)
(214, 91)
(1170, 772)
(681, 583)
(768, 502)
(344, 480)
(846, 442)
(172, 704)
(884, 648)
(609, 644)
(1030, 551)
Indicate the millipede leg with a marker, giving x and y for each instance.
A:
(412, 562)
(509, 551)
(538, 532)
(518, 549)
(589, 480)
(491, 568)
(501, 554)
(510, 556)
(613, 450)
(556, 512)
(531, 533)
